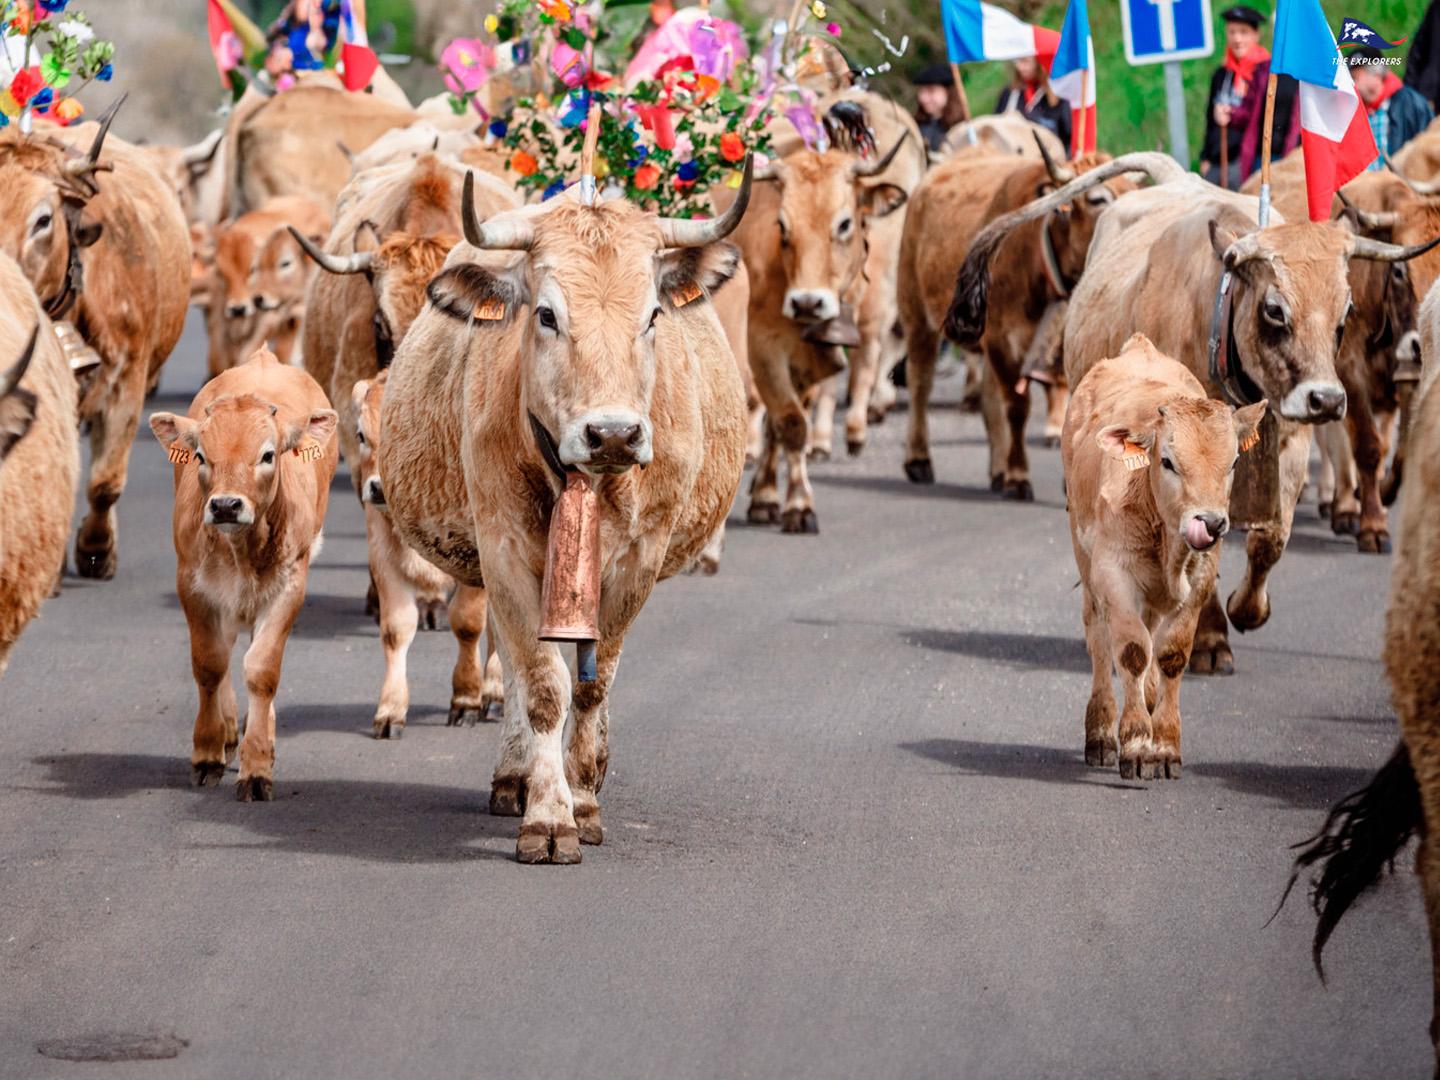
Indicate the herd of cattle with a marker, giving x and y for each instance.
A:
(375, 289)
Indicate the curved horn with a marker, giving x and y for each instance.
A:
(1058, 175)
(1420, 187)
(336, 264)
(874, 167)
(91, 161)
(10, 378)
(1366, 220)
(1366, 248)
(965, 321)
(679, 232)
(515, 235)
(203, 151)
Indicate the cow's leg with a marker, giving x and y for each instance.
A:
(1172, 653)
(864, 368)
(587, 747)
(1130, 651)
(1249, 605)
(492, 694)
(882, 390)
(1345, 507)
(399, 613)
(997, 427)
(1017, 412)
(1100, 710)
(755, 431)
(1210, 654)
(215, 735)
(708, 561)
(1325, 488)
(468, 703)
(764, 506)
(262, 678)
(822, 432)
(923, 349)
(1057, 399)
(112, 432)
(799, 513)
(1367, 431)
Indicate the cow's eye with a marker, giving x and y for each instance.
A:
(286, 263)
(653, 316)
(41, 224)
(546, 318)
(843, 229)
(784, 234)
(267, 458)
(199, 458)
(1166, 463)
(1235, 462)
(360, 436)
(1274, 313)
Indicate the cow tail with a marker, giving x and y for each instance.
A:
(1358, 843)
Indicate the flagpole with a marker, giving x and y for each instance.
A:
(1264, 218)
(964, 102)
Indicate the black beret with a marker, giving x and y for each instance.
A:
(1242, 14)
(933, 75)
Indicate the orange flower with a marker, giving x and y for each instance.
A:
(68, 109)
(732, 147)
(646, 177)
(558, 10)
(23, 19)
(523, 163)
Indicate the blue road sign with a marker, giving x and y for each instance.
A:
(1157, 31)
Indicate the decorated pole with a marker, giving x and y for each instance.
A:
(587, 154)
(1264, 218)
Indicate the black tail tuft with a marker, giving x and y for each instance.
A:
(1357, 844)
(848, 125)
(965, 321)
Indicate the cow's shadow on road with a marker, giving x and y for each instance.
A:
(1027, 650)
(373, 820)
(1304, 787)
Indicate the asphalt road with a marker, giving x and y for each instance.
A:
(850, 831)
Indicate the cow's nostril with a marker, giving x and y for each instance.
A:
(633, 439)
(1326, 401)
(617, 439)
(1215, 524)
(235, 311)
(594, 437)
(225, 506)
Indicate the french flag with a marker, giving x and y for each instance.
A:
(1072, 76)
(1334, 129)
(357, 60)
(977, 31)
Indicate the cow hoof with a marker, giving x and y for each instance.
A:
(466, 715)
(1168, 770)
(255, 789)
(507, 797)
(874, 415)
(1345, 523)
(1051, 441)
(1212, 661)
(206, 773)
(997, 483)
(1373, 542)
(1100, 753)
(1243, 618)
(763, 513)
(494, 711)
(920, 471)
(98, 565)
(591, 831)
(1019, 491)
(708, 565)
(541, 843)
(854, 446)
(389, 729)
(800, 522)
(1323, 509)
(1127, 768)
(818, 453)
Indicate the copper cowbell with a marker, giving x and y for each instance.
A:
(570, 592)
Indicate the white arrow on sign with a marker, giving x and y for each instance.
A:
(1167, 23)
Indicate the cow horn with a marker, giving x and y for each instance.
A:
(680, 232)
(91, 161)
(10, 378)
(336, 264)
(1420, 187)
(203, 151)
(1058, 175)
(514, 235)
(1366, 248)
(965, 321)
(1367, 220)
(861, 167)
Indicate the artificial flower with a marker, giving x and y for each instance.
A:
(8, 105)
(77, 31)
(51, 7)
(492, 23)
(818, 9)
(498, 128)
(554, 189)
(26, 84)
(23, 20)
(106, 73)
(68, 110)
(732, 147)
(558, 10)
(523, 163)
(688, 170)
(833, 29)
(735, 179)
(646, 177)
(43, 98)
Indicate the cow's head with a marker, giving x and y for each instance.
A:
(17, 405)
(1192, 445)
(279, 273)
(588, 283)
(826, 199)
(236, 256)
(1290, 306)
(366, 397)
(236, 449)
(1072, 224)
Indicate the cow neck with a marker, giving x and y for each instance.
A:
(1226, 368)
(1051, 261)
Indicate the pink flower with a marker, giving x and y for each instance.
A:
(833, 29)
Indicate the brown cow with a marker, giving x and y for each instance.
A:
(1290, 293)
(103, 243)
(403, 582)
(253, 463)
(1033, 271)
(39, 456)
(582, 336)
(1148, 463)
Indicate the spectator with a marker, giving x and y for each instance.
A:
(1422, 66)
(937, 103)
(1244, 55)
(1029, 93)
(1397, 112)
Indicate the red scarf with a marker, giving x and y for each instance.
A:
(1387, 90)
(1028, 91)
(1243, 67)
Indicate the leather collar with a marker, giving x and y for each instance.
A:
(1051, 260)
(549, 450)
(1226, 369)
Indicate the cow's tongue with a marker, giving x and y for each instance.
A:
(1197, 534)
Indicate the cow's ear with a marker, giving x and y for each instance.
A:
(687, 274)
(174, 430)
(17, 413)
(472, 293)
(315, 428)
(1119, 442)
(1247, 424)
(358, 392)
(881, 199)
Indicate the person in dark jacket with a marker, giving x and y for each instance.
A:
(1228, 88)
(1422, 66)
(1029, 94)
(937, 103)
(1397, 112)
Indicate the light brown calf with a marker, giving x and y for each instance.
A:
(1149, 458)
(403, 582)
(253, 464)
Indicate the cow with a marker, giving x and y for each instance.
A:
(1148, 459)
(1288, 296)
(404, 581)
(103, 243)
(1033, 270)
(256, 293)
(1006, 133)
(253, 457)
(195, 173)
(804, 246)
(39, 455)
(564, 340)
(1367, 831)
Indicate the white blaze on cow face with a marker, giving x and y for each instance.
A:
(235, 451)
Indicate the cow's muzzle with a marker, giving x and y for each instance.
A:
(228, 512)
(1204, 530)
(609, 442)
(810, 305)
(1314, 402)
(373, 493)
(236, 310)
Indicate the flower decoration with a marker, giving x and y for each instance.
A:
(52, 7)
(498, 128)
(523, 163)
(26, 84)
(63, 54)
(818, 9)
(646, 177)
(732, 147)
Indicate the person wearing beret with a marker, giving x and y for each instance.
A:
(937, 103)
(1029, 93)
(1244, 55)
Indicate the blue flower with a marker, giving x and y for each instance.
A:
(4, 120)
(106, 73)
(43, 98)
(52, 6)
(554, 189)
(498, 128)
(688, 170)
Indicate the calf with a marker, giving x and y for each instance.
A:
(404, 581)
(1148, 463)
(253, 464)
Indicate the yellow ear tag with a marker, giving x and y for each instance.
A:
(1249, 441)
(1134, 457)
(685, 294)
(178, 454)
(490, 310)
(308, 451)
